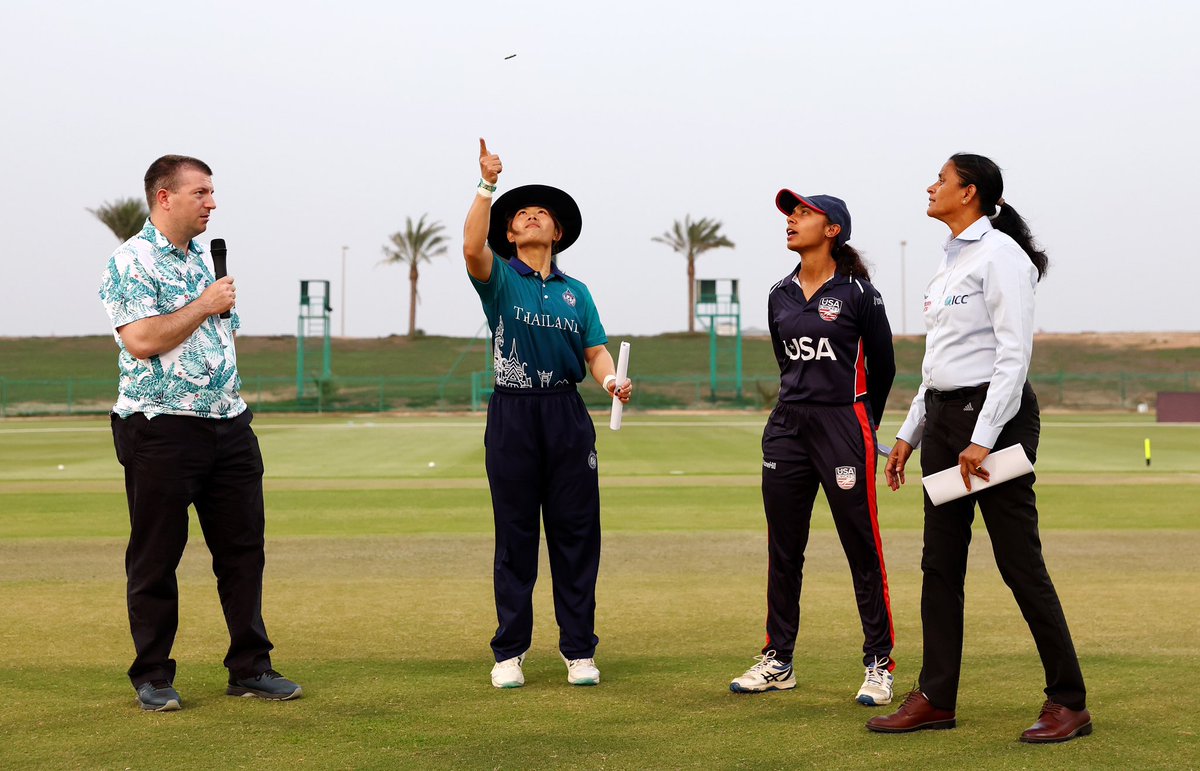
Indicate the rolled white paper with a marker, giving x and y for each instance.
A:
(614, 422)
(1002, 465)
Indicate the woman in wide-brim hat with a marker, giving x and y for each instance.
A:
(540, 442)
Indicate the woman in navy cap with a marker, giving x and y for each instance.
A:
(836, 365)
(974, 397)
(540, 441)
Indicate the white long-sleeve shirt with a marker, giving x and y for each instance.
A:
(979, 328)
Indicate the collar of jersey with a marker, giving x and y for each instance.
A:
(974, 232)
(164, 246)
(791, 277)
(525, 270)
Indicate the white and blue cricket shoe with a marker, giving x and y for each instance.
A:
(769, 674)
(876, 689)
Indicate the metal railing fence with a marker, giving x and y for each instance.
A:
(470, 391)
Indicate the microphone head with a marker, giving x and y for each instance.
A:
(217, 250)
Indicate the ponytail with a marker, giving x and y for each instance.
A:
(985, 175)
(1007, 221)
(850, 262)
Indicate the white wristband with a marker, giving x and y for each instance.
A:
(485, 188)
(483, 192)
(609, 379)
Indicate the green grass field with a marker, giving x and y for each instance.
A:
(378, 598)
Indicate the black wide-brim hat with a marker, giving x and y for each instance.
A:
(561, 205)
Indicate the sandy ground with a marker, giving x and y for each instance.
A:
(1151, 340)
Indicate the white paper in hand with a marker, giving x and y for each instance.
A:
(1002, 465)
(614, 420)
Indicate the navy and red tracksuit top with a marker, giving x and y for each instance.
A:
(833, 348)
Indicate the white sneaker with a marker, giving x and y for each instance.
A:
(581, 671)
(877, 688)
(508, 673)
(769, 674)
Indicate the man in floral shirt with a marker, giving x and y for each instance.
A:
(182, 432)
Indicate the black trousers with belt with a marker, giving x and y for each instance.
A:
(172, 462)
(805, 448)
(541, 464)
(1010, 513)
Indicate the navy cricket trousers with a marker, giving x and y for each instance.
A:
(172, 462)
(1010, 514)
(541, 464)
(806, 447)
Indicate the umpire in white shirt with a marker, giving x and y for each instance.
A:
(974, 398)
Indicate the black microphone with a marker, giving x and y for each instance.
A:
(218, 251)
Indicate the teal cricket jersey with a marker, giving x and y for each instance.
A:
(539, 328)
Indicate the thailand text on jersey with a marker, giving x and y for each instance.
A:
(541, 327)
(832, 348)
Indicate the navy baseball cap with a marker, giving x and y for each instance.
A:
(834, 210)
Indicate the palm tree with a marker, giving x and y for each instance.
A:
(693, 239)
(417, 244)
(124, 217)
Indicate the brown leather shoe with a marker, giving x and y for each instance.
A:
(1058, 724)
(914, 714)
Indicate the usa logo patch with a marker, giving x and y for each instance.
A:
(846, 477)
(569, 298)
(830, 308)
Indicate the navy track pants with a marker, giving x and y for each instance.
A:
(806, 447)
(541, 464)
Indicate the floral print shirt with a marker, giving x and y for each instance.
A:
(149, 276)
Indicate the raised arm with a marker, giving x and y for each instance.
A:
(479, 216)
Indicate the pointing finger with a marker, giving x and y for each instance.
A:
(483, 151)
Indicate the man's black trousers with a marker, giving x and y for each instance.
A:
(172, 462)
(807, 447)
(541, 463)
(1010, 513)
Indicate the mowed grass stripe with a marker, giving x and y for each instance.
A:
(459, 421)
(378, 598)
(698, 448)
(676, 508)
(390, 639)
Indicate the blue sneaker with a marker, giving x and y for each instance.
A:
(268, 685)
(157, 696)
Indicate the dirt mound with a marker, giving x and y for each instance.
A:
(1154, 341)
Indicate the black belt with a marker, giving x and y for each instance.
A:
(958, 394)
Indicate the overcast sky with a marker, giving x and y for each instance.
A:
(326, 123)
